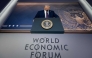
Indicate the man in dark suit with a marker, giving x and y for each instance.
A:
(46, 13)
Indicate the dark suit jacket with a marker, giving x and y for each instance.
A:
(41, 14)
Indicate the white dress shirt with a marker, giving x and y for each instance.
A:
(45, 13)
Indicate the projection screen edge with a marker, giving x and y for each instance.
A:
(5, 13)
(87, 8)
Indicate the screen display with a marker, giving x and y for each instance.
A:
(71, 15)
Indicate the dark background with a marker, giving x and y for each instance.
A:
(3, 3)
(90, 2)
(47, 0)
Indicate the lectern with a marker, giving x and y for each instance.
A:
(56, 27)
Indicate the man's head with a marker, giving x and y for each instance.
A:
(46, 7)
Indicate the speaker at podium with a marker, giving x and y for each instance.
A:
(47, 26)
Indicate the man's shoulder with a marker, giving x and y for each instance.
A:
(51, 10)
(41, 11)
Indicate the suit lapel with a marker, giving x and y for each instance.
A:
(50, 13)
(43, 14)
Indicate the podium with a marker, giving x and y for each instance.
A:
(57, 27)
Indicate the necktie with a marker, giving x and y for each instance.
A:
(47, 15)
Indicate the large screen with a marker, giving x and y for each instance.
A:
(72, 16)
